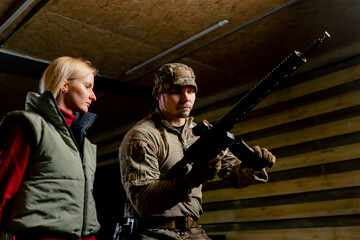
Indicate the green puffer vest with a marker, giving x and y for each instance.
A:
(55, 195)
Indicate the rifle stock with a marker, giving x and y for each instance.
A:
(216, 138)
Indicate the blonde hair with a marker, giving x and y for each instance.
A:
(64, 68)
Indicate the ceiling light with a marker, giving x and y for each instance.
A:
(15, 15)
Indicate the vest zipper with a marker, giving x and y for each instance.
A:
(85, 199)
(85, 187)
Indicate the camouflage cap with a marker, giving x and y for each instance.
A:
(173, 74)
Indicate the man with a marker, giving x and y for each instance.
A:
(170, 209)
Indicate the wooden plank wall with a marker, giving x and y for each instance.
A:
(313, 127)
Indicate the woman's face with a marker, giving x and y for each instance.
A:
(79, 94)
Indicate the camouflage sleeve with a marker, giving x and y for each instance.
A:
(140, 178)
(239, 177)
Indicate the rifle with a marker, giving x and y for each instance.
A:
(216, 138)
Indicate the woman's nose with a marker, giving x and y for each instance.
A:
(93, 96)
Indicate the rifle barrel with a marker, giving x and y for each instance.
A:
(317, 43)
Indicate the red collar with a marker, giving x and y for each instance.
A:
(69, 118)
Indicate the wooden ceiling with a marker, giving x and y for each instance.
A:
(118, 35)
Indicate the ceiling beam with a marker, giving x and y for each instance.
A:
(25, 66)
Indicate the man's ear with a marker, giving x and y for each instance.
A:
(158, 97)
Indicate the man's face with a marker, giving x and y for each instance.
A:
(177, 103)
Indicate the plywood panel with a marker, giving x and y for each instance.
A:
(299, 185)
(298, 112)
(325, 233)
(322, 156)
(72, 39)
(316, 132)
(324, 82)
(312, 86)
(289, 211)
(313, 192)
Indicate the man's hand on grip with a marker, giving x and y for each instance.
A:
(266, 159)
(202, 172)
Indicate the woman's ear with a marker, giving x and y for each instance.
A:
(65, 87)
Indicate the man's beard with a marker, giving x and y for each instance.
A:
(182, 115)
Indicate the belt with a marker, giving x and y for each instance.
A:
(167, 222)
(50, 238)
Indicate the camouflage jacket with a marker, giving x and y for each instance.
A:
(149, 150)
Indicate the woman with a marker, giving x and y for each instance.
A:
(47, 165)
